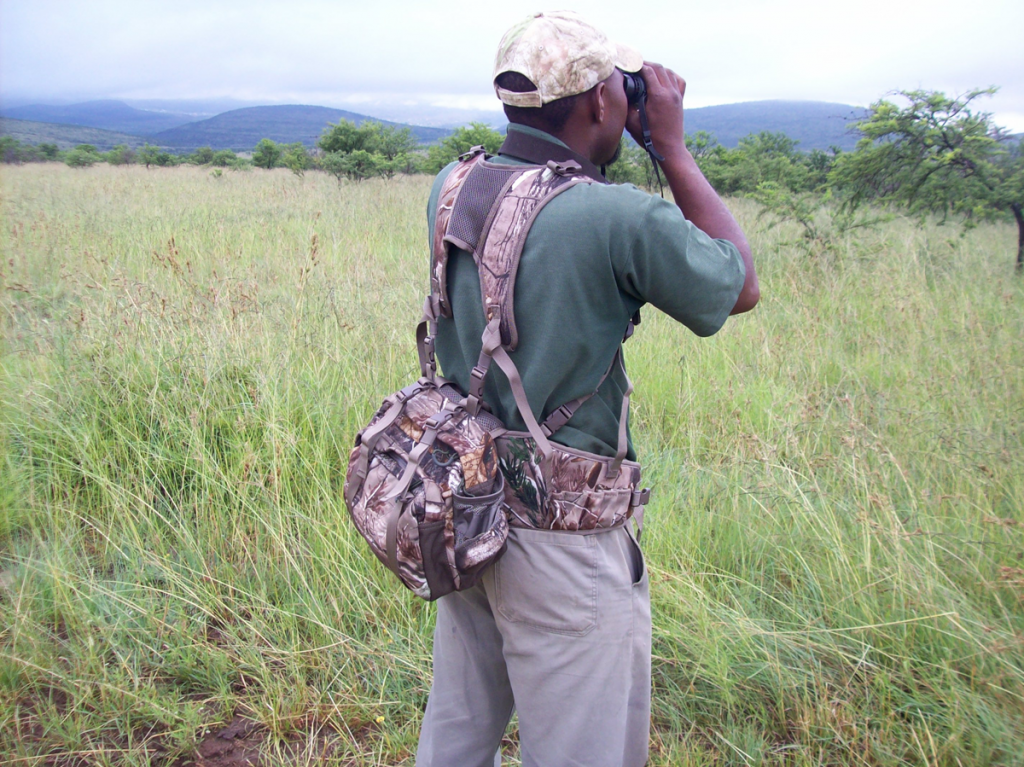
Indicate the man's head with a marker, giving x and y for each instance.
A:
(554, 69)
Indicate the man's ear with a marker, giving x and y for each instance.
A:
(598, 107)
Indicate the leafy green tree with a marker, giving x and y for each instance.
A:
(759, 158)
(49, 151)
(370, 149)
(296, 158)
(633, 166)
(267, 154)
(935, 155)
(354, 166)
(346, 137)
(701, 144)
(121, 154)
(223, 158)
(202, 156)
(14, 151)
(395, 146)
(10, 149)
(819, 165)
(81, 158)
(461, 141)
(148, 155)
(87, 148)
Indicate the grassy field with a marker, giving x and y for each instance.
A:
(835, 540)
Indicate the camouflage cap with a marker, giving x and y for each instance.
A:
(561, 54)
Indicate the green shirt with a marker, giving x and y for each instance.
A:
(594, 255)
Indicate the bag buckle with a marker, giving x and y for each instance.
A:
(559, 418)
(640, 497)
(565, 168)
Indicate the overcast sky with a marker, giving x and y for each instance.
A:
(342, 53)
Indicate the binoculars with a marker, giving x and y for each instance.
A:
(636, 94)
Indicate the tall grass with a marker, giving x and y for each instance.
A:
(835, 540)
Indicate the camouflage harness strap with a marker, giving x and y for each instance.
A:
(488, 209)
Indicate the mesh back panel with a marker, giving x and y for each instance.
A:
(479, 191)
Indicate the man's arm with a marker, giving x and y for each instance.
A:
(693, 194)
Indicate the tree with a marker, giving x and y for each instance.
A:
(935, 155)
(355, 165)
(462, 140)
(370, 149)
(10, 149)
(759, 158)
(819, 165)
(394, 145)
(202, 156)
(223, 158)
(121, 154)
(148, 155)
(49, 151)
(296, 158)
(633, 166)
(81, 158)
(345, 137)
(267, 154)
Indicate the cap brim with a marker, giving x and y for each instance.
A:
(627, 59)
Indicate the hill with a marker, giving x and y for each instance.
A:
(106, 115)
(815, 124)
(65, 136)
(241, 129)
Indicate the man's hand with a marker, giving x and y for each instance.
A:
(665, 91)
(693, 194)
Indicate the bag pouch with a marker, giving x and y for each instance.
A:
(480, 526)
(589, 509)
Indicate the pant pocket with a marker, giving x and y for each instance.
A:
(548, 580)
(639, 562)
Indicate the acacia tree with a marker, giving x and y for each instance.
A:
(936, 155)
(267, 154)
(369, 149)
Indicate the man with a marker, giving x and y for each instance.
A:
(559, 628)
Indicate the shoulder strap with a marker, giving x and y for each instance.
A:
(488, 210)
(507, 226)
(445, 204)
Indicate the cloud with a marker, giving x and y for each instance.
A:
(320, 51)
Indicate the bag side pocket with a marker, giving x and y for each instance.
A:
(439, 576)
(480, 526)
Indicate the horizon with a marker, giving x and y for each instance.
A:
(234, 104)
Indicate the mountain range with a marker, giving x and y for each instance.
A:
(242, 129)
(814, 124)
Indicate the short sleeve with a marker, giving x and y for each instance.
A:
(675, 266)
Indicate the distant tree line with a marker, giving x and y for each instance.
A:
(345, 150)
(934, 155)
(930, 155)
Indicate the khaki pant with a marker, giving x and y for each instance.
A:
(558, 629)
